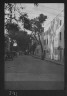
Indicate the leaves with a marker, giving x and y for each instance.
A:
(27, 23)
(37, 22)
(42, 18)
(13, 30)
(37, 28)
(22, 17)
(23, 40)
(12, 26)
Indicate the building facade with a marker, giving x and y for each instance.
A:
(54, 40)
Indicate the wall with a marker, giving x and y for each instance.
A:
(61, 43)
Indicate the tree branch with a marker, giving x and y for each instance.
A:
(36, 38)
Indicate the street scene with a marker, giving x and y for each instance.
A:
(34, 46)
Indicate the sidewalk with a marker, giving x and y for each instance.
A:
(53, 61)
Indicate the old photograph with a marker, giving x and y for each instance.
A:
(34, 46)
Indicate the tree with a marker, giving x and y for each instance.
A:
(23, 40)
(42, 18)
(37, 29)
(25, 21)
(35, 25)
(10, 7)
(13, 29)
(6, 43)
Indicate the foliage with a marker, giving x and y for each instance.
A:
(38, 29)
(23, 16)
(8, 6)
(26, 21)
(13, 29)
(37, 24)
(42, 18)
(23, 40)
(11, 7)
(12, 26)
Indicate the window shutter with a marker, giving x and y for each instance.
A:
(60, 22)
(47, 41)
(60, 35)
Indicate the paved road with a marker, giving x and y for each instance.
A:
(29, 70)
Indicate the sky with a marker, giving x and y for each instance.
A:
(49, 9)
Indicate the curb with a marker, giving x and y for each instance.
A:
(48, 60)
(55, 62)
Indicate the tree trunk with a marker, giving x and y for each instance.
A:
(42, 54)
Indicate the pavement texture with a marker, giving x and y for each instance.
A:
(28, 73)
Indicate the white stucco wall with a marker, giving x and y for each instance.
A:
(62, 38)
(56, 40)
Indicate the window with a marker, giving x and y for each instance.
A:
(60, 22)
(60, 35)
(44, 42)
(47, 41)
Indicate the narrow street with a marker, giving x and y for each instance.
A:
(26, 72)
(33, 32)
